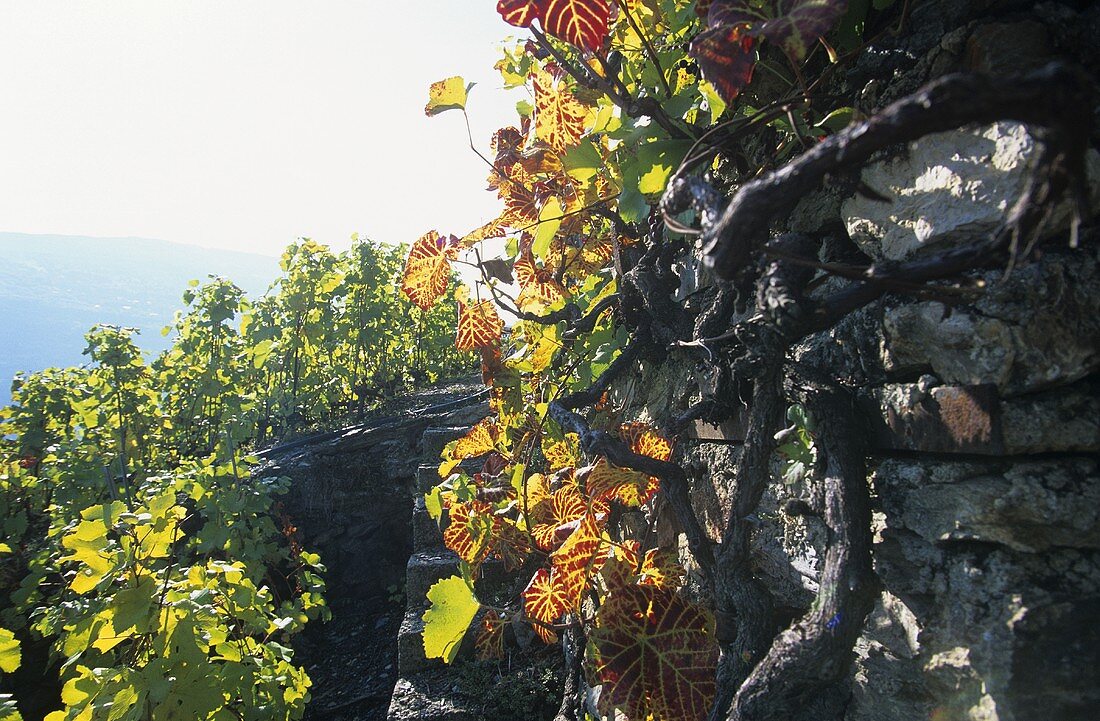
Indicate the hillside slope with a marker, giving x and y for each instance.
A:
(53, 288)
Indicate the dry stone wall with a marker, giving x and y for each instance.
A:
(982, 409)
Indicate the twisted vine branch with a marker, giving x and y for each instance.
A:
(1052, 98)
(801, 672)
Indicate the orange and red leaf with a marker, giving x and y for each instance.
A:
(559, 117)
(490, 637)
(428, 269)
(470, 531)
(544, 601)
(580, 22)
(578, 558)
(479, 326)
(656, 654)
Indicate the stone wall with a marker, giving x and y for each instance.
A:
(982, 408)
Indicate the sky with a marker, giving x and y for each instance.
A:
(245, 124)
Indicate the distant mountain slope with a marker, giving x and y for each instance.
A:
(54, 288)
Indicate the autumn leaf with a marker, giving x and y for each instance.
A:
(520, 205)
(606, 481)
(578, 558)
(793, 25)
(563, 506)
(479, 440)
(538, 286)
(726, 57)
(479, 325)
(631, 488)
(449, 94)
(520, 13)
(655, 654)
(580, 22)
(559, 117)
(645, 441)
(510, 544)
(657, 567)
(428, 269)
(543, 601)
(492, 229)
(506, 145)
(565, 453)
(490, 637)
(470, 531)
(492, 363)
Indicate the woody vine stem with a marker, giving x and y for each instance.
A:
(800, 672)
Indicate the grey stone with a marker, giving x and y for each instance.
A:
(1028, 506)
(425, 531)
(947, 189)
(435, 439)
(424, 697)
(425, 568)
(410, 642)
(1006, 48)
(1067, 419)
(1036, 329)
(427, 477)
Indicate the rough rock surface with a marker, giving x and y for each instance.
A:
(983, 410)
(948, 188)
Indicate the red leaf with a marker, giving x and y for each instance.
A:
(726, 57)
(656, 654)
(578, 559)
(469, 533)
(511, 545)
(564, 505)
(543, 601)
(538, 286)
(520, 13)
(580, 22)
(490, 639)
(478, 441)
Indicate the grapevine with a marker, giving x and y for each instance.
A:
(137, 544)
(611, 173)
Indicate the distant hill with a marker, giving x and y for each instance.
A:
(53, 288)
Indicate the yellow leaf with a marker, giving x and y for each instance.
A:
(9, 651)
(445, 622)
(559, 117)
(479, 325)
(448, 94)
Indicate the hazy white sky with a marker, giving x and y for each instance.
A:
(244, 124)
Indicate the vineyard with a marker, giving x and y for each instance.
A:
(137, 544)
(650, 246)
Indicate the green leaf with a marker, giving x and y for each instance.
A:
(656, 161)
(8, 709)
(549, 222)
(837, 120)
(445, 622)
(632, 205)
(715, 104)
(448, 94)
(433, 501)
(583, 161)
(9, 651)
